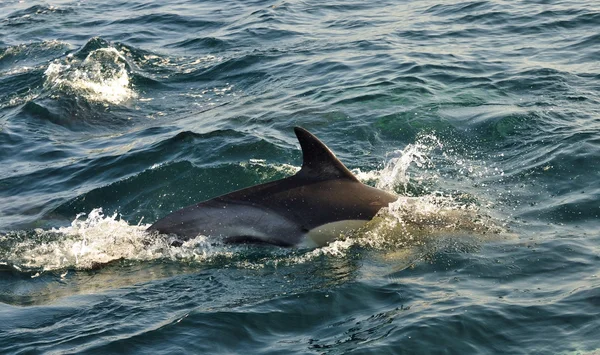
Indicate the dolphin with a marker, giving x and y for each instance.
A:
(309, 209)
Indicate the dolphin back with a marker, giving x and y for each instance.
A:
(322, 194)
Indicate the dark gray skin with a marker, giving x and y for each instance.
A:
(283, 212)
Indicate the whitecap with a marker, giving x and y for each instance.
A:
(101, 77)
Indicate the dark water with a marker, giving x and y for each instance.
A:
(483, 116)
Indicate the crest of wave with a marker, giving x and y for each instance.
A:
(98, 240)
(101, 77)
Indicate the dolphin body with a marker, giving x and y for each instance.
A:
(311, 208)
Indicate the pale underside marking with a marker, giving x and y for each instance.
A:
(322, 235)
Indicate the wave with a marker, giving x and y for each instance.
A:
(102, 76)
(102, 84)
(34, 14)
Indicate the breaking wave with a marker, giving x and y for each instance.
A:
(101, 76)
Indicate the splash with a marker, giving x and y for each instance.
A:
(101, 77)
(411, 222)
(98, 240)
(396, 170)
(414, 221)
(425, 221)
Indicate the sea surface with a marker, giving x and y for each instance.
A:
(482, 116)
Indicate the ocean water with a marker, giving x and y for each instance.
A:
(482, 116)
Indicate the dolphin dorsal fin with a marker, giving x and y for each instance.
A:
(318, 161)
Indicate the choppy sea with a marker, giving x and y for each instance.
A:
(482, 116)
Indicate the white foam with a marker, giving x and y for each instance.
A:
(287, 169)
(413, 222)
(99, 239)
(184, 65)
(16, 100)
(101, 77)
